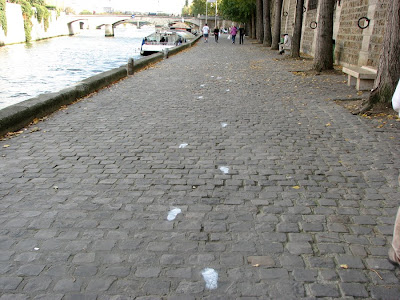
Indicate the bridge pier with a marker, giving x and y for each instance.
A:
(71, 29)
(109, 30)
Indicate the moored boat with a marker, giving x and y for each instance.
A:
(161, 40)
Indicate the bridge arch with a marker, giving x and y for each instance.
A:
(70, 27)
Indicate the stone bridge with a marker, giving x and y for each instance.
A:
(109, 22)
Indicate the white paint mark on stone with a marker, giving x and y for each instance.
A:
(200, 97)
(212, 76)
(224, 170)
(202, 85)
(223, 124)
(184, 145)
(173, 213)
(228, 90)
(211, 278)
(36, 249)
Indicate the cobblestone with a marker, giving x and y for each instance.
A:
(311, 188)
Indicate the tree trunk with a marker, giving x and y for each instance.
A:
(323, 59)
(277, 25)
(253, 25)
(260, 26)
(297, 29)
(389, 60)
(267, 23)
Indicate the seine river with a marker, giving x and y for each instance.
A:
(27, 70)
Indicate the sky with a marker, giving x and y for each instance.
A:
(145, 6)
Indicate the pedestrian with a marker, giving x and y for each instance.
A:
(241, 34)
(394, 251)
(206, 30)
(233, 33)
(287, 44)
(216, 34)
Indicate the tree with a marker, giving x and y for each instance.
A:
(198, 7)
(323, 59)
(3, 18)
(259, 20)
(297, 29)
(389, 61)
(69, 11)
(237, 10)
(186, 9)
(253, 25)
(267, 23)
(277, 25)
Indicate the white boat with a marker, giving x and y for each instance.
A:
(161, 40)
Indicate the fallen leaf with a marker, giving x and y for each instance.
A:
(256, 265)
(328, 124)
(344, 266)
(296, 187)
(6, 146)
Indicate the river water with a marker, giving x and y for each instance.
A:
(27, 70)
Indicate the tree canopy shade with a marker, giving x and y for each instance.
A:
(237, 10)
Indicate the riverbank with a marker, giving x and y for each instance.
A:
(21, 114)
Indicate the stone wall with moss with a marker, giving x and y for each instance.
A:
(41, 25)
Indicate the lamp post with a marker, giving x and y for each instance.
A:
(206, 10)
(216, 4)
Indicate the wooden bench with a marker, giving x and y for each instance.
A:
(362, 77)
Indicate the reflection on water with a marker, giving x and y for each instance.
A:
(27, 70)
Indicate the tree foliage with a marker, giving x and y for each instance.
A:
(237, 10)
(69, 11)
(198, 7)
(3, 17)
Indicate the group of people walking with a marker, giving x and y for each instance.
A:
(233, 32)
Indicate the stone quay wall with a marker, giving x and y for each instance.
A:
(15, 26)
(353, 45)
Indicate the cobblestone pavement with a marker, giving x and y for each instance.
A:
(303, 209)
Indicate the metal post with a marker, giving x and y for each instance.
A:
(206, 10)
(216, 5)
(130, 66)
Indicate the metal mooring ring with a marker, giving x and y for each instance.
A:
(285, 13)
(362, 19)
(313, 25)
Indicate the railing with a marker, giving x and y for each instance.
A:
(160, 43)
